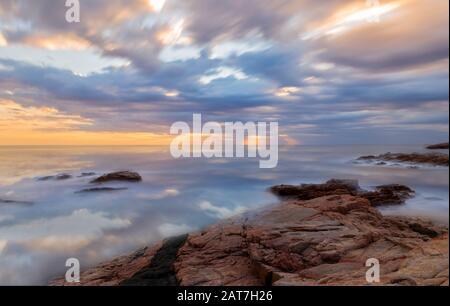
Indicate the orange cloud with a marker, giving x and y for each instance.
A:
(13, 137)
(352, 15)
(58, 42)
(3, 41)
(20, 125)
(18, 117)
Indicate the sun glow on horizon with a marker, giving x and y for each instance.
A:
(29, 125)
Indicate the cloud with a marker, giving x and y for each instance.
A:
(137, 66)
(37, 118)
(414, 34)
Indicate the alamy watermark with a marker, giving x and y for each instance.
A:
(73, 273)
(226, 140)
(73, 14)
(373, 273)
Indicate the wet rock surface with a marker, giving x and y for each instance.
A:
(160, 271)
(382, 195)
(127, 176)
(320, 241)
(439, 146)
(437, 159)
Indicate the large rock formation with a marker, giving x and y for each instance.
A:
(321, 241)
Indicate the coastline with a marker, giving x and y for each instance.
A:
(324, 240)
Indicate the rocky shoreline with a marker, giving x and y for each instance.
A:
(323, 238)
(411, 159)
(414, 159)
(438, 146)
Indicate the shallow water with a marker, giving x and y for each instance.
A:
(176, 196)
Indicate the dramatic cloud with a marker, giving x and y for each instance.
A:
(333, 72)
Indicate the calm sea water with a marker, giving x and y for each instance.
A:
(176, 196)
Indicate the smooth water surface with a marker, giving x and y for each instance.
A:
(51, 221)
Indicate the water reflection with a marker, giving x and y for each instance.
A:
(175, 196)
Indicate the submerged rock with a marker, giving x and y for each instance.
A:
(438, 146)
(382, 195)
(322, 241)
(437, 159)
(101, 189)
(58, 177)
(85, 174)
(5, 201)
(119, 176)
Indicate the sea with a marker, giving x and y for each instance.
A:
(45, 222)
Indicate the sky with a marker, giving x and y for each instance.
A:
(330, 72)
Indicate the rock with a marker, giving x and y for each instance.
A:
(417, 225)
(5, 201)
(393, 194)
(322, 241)
(383, 195)
(160, 271)
(85, 174)
(58, 177)
(101, 189)
(437, 159)
(438, 146)
(225, 248)
(112, 273)
(367, 157)
(118, 176)
(311, 191)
